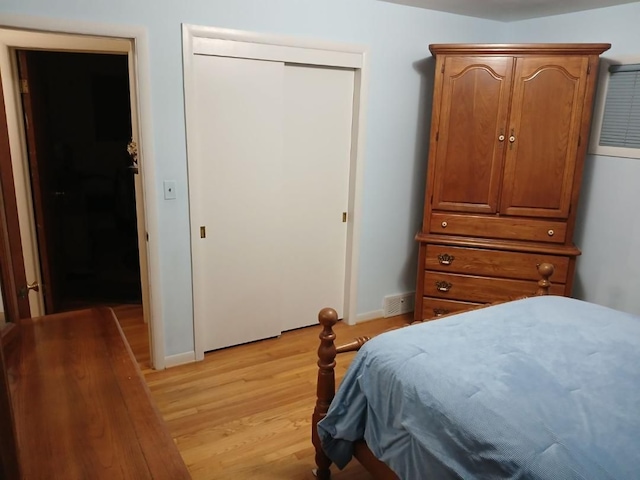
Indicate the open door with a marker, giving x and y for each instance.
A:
(43, 195)
(12, 273)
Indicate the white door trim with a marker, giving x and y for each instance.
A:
(243, 44)
(113, 36)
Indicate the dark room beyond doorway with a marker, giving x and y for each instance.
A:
(78, 126)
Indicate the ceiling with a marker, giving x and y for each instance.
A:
(510, 10)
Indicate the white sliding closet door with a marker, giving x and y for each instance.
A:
(269, 160)
(236, 193)
(318, 111)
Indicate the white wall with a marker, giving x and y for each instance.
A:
(608, 230)
(397, 124)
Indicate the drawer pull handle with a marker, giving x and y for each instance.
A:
(445, 259)
(443, 286)
(444, 224)
(438, 312)
(550, 233)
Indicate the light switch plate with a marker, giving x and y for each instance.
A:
(169, 189)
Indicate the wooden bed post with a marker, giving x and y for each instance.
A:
(545, 270)
(326, 386)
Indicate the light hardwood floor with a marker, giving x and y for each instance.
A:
(245, 412)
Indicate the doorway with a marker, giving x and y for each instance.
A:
(78, 125)
(82, 176)
(73, 37)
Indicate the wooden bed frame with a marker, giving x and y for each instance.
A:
(326, 386)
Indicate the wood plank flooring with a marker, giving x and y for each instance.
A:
(245, 412)
(136, 332)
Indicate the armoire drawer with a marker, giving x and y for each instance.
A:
(473, 288)
(436, 307)
(499, 227)
(493, 263)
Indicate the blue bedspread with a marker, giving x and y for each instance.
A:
(542, 388)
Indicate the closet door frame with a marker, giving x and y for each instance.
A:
(242, 44)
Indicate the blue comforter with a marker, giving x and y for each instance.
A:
(542, 388)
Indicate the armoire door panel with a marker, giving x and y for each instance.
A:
(544, 128)
(470, 144)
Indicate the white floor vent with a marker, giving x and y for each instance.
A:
(398, 304)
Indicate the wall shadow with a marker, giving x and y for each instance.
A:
(426, 69)
(583, 208)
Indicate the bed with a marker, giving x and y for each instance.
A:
(544, 387)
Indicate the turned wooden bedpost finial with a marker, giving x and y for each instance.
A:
(545, 270)
(326, 385)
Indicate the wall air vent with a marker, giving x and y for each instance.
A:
(398, 304)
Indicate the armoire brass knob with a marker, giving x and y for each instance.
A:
(443, 286)
(445, 259)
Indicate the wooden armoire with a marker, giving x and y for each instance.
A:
(509, 133)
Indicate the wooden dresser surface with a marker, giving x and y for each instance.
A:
(82, 409)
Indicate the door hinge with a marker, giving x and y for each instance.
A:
(437, 136)
(442, 69)
(579, 139)
(24, 85)
(203, 232)
(344, 217)
(589, 69)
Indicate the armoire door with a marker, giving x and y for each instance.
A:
(543, 137)
(269, 182)
(471, 133)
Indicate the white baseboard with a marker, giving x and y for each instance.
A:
(365, 317)
(179, 359)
